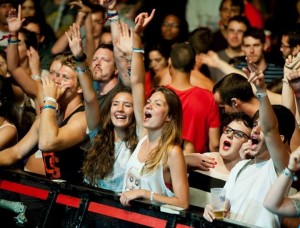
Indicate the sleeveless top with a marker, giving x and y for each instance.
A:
(152, 181)
(65, 164)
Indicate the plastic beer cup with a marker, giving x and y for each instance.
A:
(218, 196)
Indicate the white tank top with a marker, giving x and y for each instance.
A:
(153, 181)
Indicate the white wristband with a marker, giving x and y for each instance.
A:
(50, 99)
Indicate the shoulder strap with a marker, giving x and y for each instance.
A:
(79, 109)
(243, 168)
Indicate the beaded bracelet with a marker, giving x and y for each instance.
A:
(49, 106)
(138, 50)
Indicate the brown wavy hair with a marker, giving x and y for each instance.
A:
(172, 131)
(100, 156)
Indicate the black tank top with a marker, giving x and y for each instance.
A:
(65, 164)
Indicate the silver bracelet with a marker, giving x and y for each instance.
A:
(152, 197)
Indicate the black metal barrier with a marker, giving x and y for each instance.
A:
(30, 200)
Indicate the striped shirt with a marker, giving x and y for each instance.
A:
(271, 73)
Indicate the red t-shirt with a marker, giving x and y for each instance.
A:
(200, 112)
(254, 16)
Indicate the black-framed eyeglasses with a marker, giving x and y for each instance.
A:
(236, 133)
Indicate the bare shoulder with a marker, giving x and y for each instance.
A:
(175, 152)
(78, 120)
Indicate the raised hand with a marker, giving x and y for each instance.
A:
(75, 42)
(50, 89)
(293, 74)
(245, 150)
(125, 39)
(34, 61)
(256, 77)
(14, 20)
(108, 4)
(142, 20)
(294, 162)
(211, 59)
(82, 8)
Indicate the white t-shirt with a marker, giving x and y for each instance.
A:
(114, 181)
(247, 192)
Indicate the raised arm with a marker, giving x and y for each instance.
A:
(276, 200)
(212, 59)
(31, 87)
(51, 136)
(120, 59)
(130, 45)
(288, 98)
(92, 110)
(268, 121)
(62, 42)
(293, 78)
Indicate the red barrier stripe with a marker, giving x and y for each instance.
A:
(68, 200)
(24, 189)
(93, 207)
(126, 215)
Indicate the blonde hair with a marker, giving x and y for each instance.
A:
(172, 131)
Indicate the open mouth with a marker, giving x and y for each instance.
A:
(147, 115)
(226, 145)
(120, 117)
(254, 142)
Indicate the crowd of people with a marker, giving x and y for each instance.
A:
(89, 96)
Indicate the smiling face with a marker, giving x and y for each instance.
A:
(233, 137)
(156, 111)
(121, 110)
